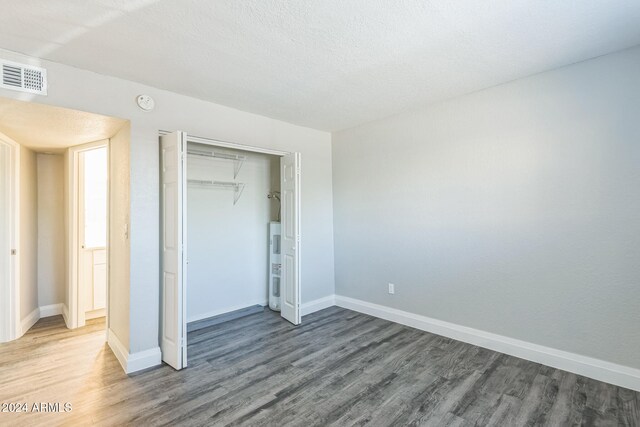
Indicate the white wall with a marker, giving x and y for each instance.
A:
(28, 232)
(514, 210)
(73, 88)
(227, 243)
(51, 229)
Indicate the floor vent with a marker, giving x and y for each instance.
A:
(25, 78)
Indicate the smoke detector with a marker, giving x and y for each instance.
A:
(23, 78)
(145, 102)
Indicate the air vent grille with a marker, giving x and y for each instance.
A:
(25, 78)
(11, 76)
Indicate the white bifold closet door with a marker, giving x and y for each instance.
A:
(290, 281)
(173, 292)
(8, 199)
(173, 325)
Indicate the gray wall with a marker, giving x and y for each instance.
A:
(514, 210)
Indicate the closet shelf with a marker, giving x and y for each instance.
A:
(238, 159)
(238, 187)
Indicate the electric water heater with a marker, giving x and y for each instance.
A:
(275, 266)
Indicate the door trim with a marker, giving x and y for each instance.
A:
(76, 314)
(10, 323)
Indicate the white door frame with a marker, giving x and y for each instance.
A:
(10, 324)
(234, 146)
(76, 316)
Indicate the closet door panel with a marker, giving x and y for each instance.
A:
(173, 325)
(290, 281)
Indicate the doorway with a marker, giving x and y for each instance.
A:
(56, 217)
(90, 277)
(180, 174)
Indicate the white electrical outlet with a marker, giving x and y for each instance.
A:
(392, 288)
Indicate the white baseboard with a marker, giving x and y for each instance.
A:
(94, 314)
(306, 308)
(119, 350)
(601, 370)
(65, 315)
(225, 310)
(39, 313)
(50, 310)
(144, 359)
(135, 361)
(317, 305)
(30, 320)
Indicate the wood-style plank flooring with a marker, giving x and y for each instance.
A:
(339, 368)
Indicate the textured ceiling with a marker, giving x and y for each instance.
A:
(327, 64)
(52, 129)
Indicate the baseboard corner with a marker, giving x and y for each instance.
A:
(133, 362)
(118, 348)
(51, 310)
(30, 320)
(144, 359)
(317, 304)
(65, 315)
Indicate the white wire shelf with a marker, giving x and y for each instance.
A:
(237, 187)
(238, 159)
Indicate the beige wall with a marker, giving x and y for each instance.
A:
(28, 232)
(51, 229)
(119, 255)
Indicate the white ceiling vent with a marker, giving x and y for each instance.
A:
(25, 78)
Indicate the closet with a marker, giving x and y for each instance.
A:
(228, 217)
(230, 235)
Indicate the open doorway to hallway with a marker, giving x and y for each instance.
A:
(58, 216)
(92, 222)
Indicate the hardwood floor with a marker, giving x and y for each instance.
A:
(338, 368)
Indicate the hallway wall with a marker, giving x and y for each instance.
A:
(51, 229)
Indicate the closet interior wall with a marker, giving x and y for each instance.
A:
(227, 243)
